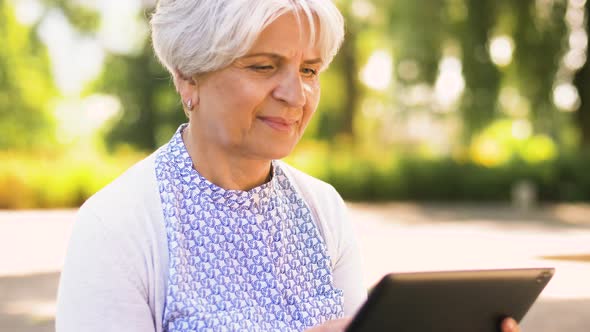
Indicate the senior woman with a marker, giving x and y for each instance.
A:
(212, 232)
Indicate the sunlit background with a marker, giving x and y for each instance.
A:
(421, 92)
(460, 102)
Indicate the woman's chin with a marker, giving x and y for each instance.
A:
(275, 151)
(279, 154)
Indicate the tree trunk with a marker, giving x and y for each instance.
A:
(350, 67)
(482, 78)
(582, 82)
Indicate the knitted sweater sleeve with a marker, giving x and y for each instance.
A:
(102, 288)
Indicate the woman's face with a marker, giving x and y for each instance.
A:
(259, 106)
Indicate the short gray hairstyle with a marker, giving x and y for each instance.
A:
(193, 37)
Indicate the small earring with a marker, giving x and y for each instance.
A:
(189, 104)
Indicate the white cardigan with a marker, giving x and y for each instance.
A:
(116, 267)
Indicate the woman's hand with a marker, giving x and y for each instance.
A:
(338, 325)
(510, 325)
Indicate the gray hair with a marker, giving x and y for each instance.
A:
(194, 37)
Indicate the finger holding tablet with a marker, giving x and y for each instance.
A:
(336, 325)
(510, 325)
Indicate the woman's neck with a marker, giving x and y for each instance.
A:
(227, 171)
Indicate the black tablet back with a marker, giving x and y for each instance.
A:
(450, 301)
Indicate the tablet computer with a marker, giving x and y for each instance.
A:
(450, 301)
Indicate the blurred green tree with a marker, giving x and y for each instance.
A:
(151, 108)
(83, 18)
(417, 28)
(348, 66)
(539, 31)
(418, 32)
(482, 79)
(582, 83)
(26, 86)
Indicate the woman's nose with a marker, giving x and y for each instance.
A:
(291, 89)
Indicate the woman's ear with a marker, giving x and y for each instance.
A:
(187, 88)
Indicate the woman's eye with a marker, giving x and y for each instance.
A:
(262, 68)
(309, 72)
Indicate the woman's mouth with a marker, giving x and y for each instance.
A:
(278, 123)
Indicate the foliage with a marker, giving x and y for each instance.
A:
(582, 81)
(67, 180)
(378, 176)
(540, 38)
(371, 143)
(57, 180)
(482, 79)
(26, 87)
(151, 110)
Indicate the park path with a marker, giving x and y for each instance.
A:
(392, 237)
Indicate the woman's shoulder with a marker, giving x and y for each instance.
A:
(128, 200)
(131, 185)
(327, 207)
(323, 199)
(308, 184)
(116, 252)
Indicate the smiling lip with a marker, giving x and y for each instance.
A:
(278, 123)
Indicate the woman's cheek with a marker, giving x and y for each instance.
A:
(313, 93)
